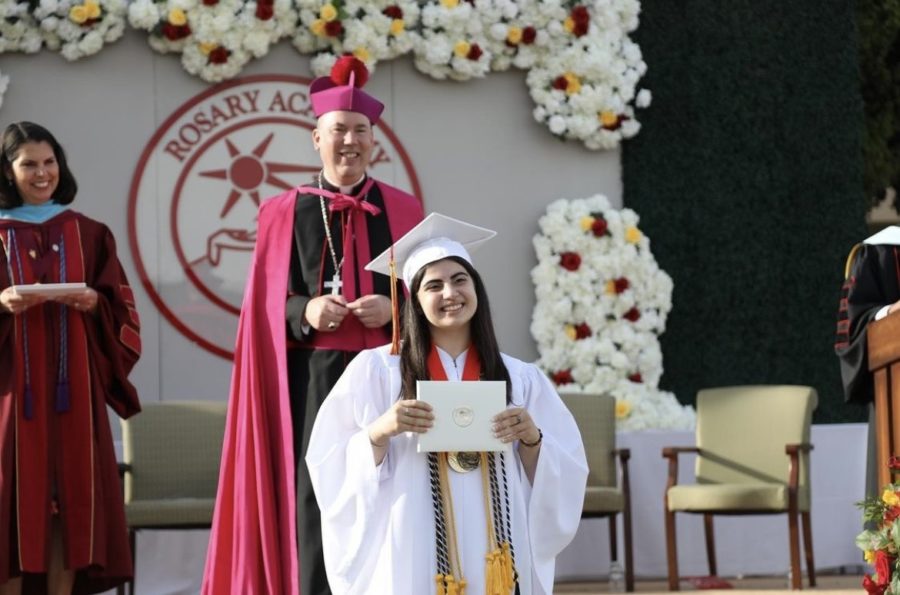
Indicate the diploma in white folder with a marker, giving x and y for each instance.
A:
(50, 289)
(462, 415)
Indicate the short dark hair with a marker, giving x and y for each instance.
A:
(417, 337)
(14, 137)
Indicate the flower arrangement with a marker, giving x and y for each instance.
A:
(880, 541)
(74, 28)
(583, 69)
(601, 304)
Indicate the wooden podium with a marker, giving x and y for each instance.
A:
(884, 363)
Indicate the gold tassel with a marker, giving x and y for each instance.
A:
(395, 308)
(509, 574)
(441, 589)
(462, 586)
(452, 587)
(497, 581)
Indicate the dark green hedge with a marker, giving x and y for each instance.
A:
(879, 62)
(747, 176)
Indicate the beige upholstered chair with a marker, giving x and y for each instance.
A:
(171, 465)
(608, 492)
(752, 458)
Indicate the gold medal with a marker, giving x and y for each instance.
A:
(463, 462)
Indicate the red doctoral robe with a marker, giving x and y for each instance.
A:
(253, 545)
(56, 447)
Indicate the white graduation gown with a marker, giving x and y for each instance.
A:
(378, 522)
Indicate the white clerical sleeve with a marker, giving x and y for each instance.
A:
(344, 475)
(560, 479)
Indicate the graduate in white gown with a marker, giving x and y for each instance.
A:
(399, 522)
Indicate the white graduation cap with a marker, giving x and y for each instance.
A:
(435, 238)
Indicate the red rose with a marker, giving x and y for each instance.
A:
(636, 378)
(633, 315)
(210, 2)
(883, 564)
(582, 20)
(219, 55)
(334, 28)
(562, 377)
(894, 463)
(582, 331)
(174, 33)
(621, 284)
(264, 12)
(529, 33)
(570, 261)
(599, 227)
(474, 52)
(560, 83)
(393, 11)
(871, 587)
(890, 514)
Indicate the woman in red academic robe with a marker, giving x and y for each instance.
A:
(63, 358)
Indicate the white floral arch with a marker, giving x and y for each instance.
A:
(602, 302)
(582, 68)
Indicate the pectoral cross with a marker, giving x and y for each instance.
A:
(335, 284)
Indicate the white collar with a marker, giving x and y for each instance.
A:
(888, 235)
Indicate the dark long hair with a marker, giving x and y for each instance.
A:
(14, 137)
(416, 337)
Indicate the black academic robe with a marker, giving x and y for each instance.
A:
(312, 372)
(872, 283)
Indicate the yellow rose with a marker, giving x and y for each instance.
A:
(571, 332)
(362, 53)
(632, 234)
(623, 409)
(328, 13)
(208, 46)
(78, 14)
(177, 17)
(398, 26)
(586, 223)
(610, 287)
(514, 35)
(93, 9)
(890, 498)
(462, 48)
(450, 3)
(574, 83)
(318, 27)
(569, 24)
(869, 556)
(608, 117)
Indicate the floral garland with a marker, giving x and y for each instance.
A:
(880, 540)
(601, 303)
(75, 29)
(583, 69)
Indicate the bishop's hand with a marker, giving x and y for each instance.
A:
(326, 312)
(374, 311)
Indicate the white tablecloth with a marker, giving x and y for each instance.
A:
(171, 562)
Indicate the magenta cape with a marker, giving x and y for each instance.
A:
(253, 545)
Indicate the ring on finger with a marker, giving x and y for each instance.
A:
(332, 325)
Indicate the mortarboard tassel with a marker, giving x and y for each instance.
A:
(395, 308)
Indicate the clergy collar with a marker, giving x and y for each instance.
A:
(351, 190)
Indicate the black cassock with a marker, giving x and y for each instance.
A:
(872, 283)
(312, 372)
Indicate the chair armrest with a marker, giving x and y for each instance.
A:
(624, 455)
(793, 451)
(671, 453)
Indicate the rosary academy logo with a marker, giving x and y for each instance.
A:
(198, 186)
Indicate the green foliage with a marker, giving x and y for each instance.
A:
(878, 22)
(747, 174)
